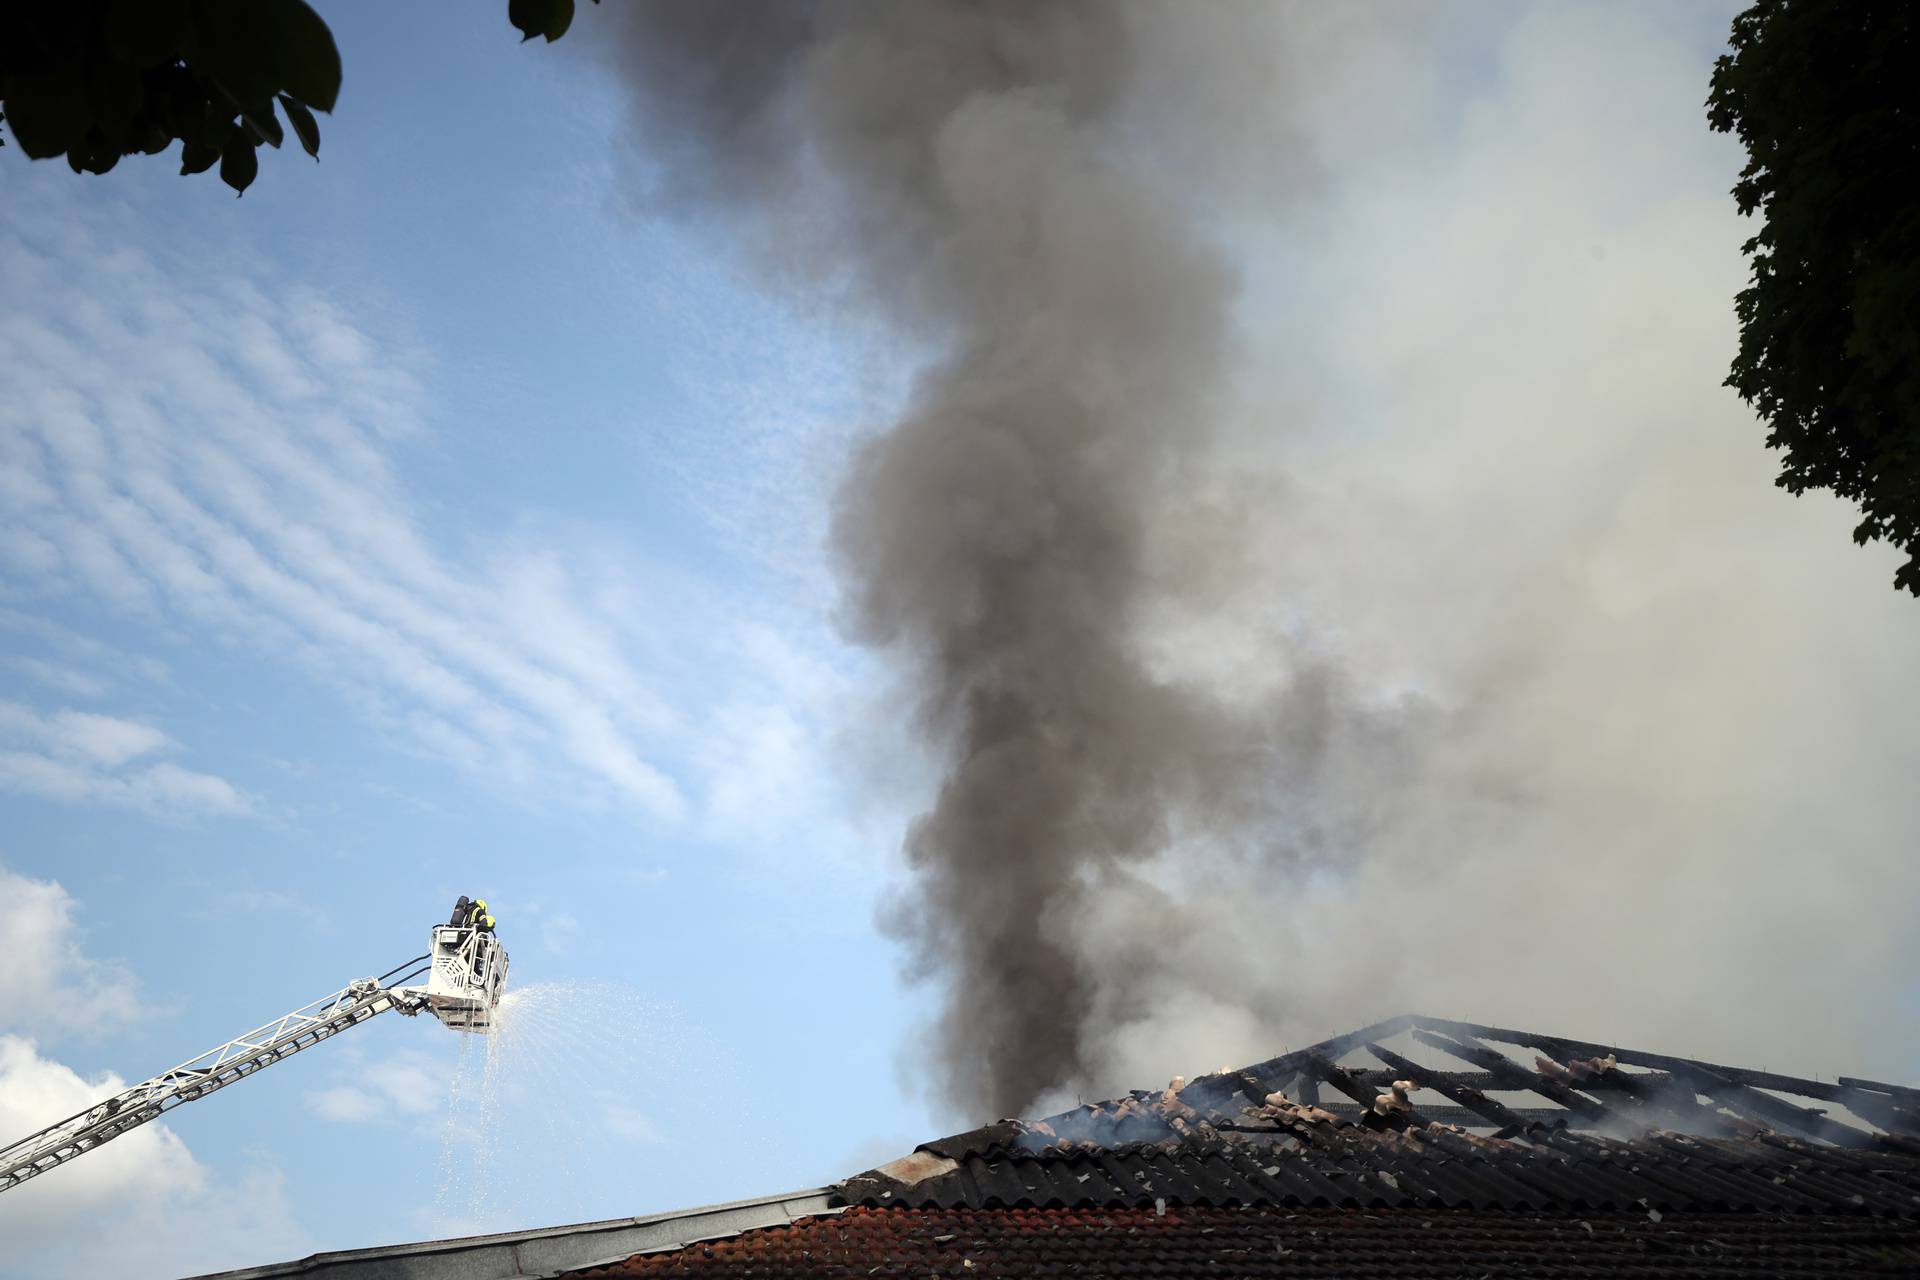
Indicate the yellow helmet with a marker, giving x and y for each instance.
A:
(480, 903)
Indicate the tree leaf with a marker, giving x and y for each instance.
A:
(238, 163)
(255, 48)
(234, 50)
(1821, 97)
(304, 126)
(145, 33)
(95, 155)
(306, 58)
(117, 95)
(47, 114)
(549, 18)
(213, 131)
(261, 123)
(153, 138)
(197, 157)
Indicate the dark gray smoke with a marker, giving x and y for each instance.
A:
(1675, 728)
(986, 175)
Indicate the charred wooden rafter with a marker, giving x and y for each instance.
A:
(1455, 1087)
(1592, 1087)
(1343, 1080)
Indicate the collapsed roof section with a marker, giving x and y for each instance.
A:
(1459, 1115)
(1511, 1082)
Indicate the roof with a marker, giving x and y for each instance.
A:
(1307, 1161)
(1412, 1141)
(547, 1251)
(1620, 1130)
(1462, 1068)
(1351, 1244)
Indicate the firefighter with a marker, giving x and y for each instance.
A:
(476, 913)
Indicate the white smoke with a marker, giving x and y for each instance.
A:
(1666, 798)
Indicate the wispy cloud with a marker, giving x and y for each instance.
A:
(407, 1083)
(217, 901)
(227, 464)
(71, 662)
(81, 757)
(556, 929)
(631, 1124)
(59, 677)
(217, 456)
(345, 1104)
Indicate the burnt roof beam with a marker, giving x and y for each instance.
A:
(1663, 1095)
(1288, 1065)
(1660, 1061)
(1451, 1086)
(1343, 1080)
(1671, 1100)
(1891, 1113)
(1910, 1096)
(1774, 1112)
(1514, 1076)
(1375, 1075)
(1444, 1113)
(1648, 1101)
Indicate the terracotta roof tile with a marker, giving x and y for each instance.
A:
(1259, 1242)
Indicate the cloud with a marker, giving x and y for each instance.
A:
(80, 757)
(83, 735)
(78, 664)
(139, 1206)
(215, 901)
(406, 1083)
(775, 756)
(631, 1124)
(557, 931)
(103, 739)
(212, 455)
(35, 1091)
(60, 677)
(345, 1104)
(51, 983)
(229, 464)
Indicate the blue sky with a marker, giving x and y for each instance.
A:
(433, 520)
(465, 541)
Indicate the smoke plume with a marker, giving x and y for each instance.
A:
(1252, 729)
(975, 172)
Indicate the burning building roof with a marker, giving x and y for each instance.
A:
(1463, 1078)
(1612, 1129)
(1416, 1146)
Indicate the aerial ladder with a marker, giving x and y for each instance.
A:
(465, 972)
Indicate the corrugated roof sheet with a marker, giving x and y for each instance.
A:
(1339, 1164)
(891, 1244)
